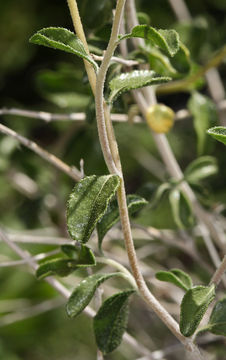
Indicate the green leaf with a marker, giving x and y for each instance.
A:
(84, 292)
(218, 133)
(217, 322)
(70, 250)
(159, 193)
(111, 217)
(134, 80)
(200, 169)
(88, 203)
(111, 321)
(176, 277)
(62, 39)
(204, 113)
(181, 209)
(60, 267)
(82, 253)
(194, 305)
(181, 61)
(167, 40)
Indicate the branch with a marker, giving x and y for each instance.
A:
(219, 273)
(182, 114)
(73, 7)
(66, 293)
(117, 60)
(73, 172)
(25, 261)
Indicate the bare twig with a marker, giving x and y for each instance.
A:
(218, 275)
(73, 172)
(25, 261)
(182, 114)
(31, 311)
(117, 60)
(66, 293)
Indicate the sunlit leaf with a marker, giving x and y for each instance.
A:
(111, 320)
(218, 133)
(193, 307)
(134, 80)
(88, 203)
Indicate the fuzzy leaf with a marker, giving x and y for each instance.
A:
(194, 305)
(200, 169)
(176, 277)
(111, 321)
(167, 40)
(181, 61)
(134, 80)
(218, 133)
(204, 113)
(88, 203)
(217, 322)
(62, 39)
(83, 254)
(181, 209)
(84, 292)
(70, 250)
(111, 217)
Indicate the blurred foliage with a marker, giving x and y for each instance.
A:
(37, 78)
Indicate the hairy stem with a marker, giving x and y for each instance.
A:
(124, 216)
(73, 7)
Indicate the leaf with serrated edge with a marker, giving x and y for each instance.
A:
(88, 203)
(84, 292)
(134, 80)
(193, 307)
(111, 217)
(62, 39)
(217, 322)
(218, 133)
(167, 40)
(176, 277)
(111, 320)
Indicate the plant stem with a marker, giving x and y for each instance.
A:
(119, 267)
(105, 130)
(73, 7)
(126, 228)
(219, 273)
(65, 292)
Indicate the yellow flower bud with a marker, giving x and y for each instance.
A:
(160, 118)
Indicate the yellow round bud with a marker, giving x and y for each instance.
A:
(160, 118)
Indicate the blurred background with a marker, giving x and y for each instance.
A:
(33, 193)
